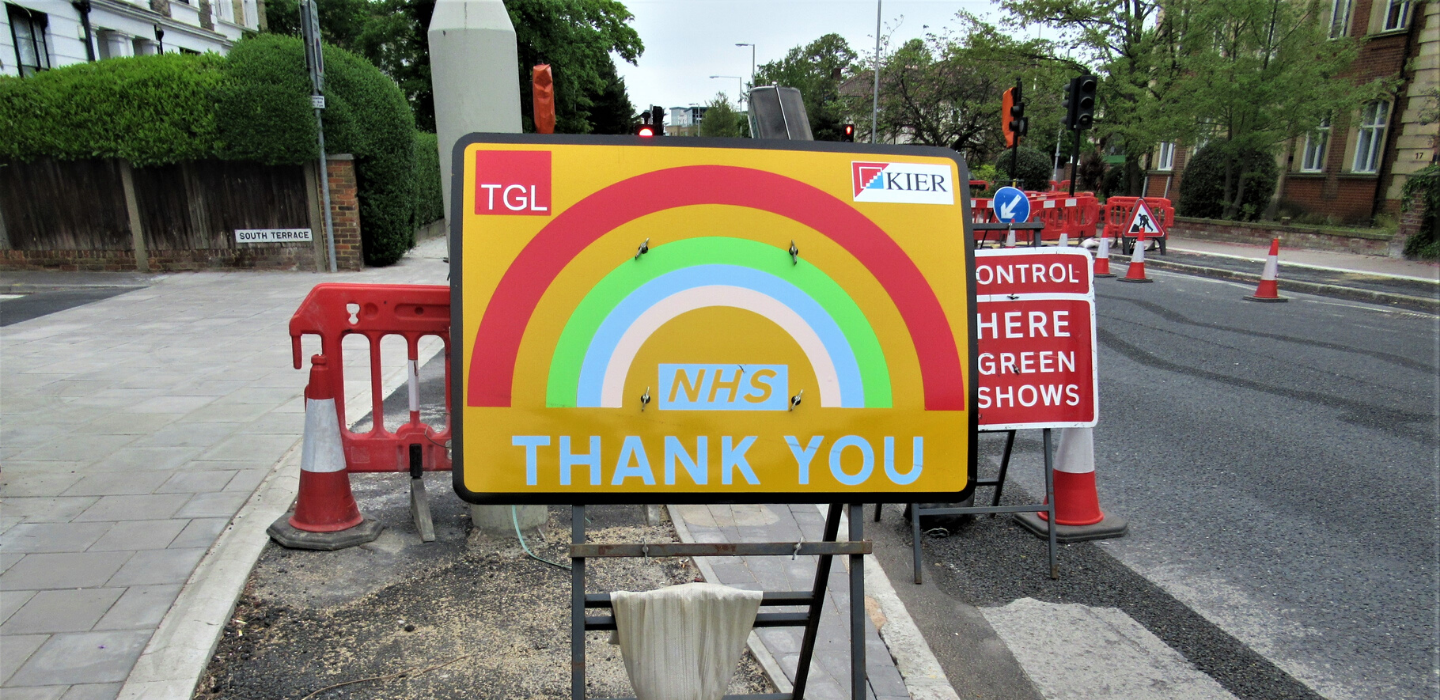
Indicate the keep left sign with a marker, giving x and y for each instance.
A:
(685, 320)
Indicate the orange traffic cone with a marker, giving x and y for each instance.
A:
(1136, 271)
(1269, 289)
(1102, 258)
(326, 516)
(1077, 505)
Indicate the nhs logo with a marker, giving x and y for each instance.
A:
(903, 183)
(729, 387)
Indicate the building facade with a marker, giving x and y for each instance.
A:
(1352, 168)
(39, 35)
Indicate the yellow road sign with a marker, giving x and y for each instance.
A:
(696, 320)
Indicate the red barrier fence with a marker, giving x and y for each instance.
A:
(333, 311)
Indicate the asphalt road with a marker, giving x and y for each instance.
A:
(15, 308)
(1278, 465)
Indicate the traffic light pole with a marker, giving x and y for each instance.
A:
(1075, 163)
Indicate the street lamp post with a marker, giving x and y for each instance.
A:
(739, 83)
(875, 105)
(752, 63)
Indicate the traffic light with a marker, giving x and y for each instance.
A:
(1012, 116)
(657, 120)
(1080, 103)
(645, 130)
(849, 133)
(1085, 101)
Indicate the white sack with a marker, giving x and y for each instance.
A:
(683, 642)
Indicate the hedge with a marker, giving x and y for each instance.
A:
(1035, 170)
(253, 104)
(429, 204)
(1202, 188)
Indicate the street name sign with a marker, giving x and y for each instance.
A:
(1011, 205)
(698, 320)
(1036, 339)
(272, 235)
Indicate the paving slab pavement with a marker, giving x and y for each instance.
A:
(132, 429)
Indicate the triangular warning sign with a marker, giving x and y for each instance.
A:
(1143, 221)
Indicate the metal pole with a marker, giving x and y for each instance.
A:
(1075, 165)
(1014, 152)
(325, 191)
(577, 607)
(1050, 501)
(857, 605)
(875, 104)
(817, 603)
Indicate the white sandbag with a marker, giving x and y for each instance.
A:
(683, 642)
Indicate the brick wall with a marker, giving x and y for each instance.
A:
(1260, 233)
(276, 257)
(345, 211)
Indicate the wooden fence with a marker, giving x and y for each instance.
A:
(77, 215)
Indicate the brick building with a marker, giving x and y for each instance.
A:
(1352, 169)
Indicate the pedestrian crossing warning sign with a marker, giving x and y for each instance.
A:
(1143, 221)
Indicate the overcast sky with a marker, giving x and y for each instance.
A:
(687, 41)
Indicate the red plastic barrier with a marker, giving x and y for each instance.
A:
(333, 311)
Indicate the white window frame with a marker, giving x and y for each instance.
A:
(1396, 20)
(37, 26)
(1340, 18)
(1370, 137)
(1317, 147)
(1165, 159)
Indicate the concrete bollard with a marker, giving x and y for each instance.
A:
(473, 71)
(495, 520)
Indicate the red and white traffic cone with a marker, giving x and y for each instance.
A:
(326, 516)
(1136, 271)
(1077, 505)
(1102, 258)
(1269, 289)
(1010, 239)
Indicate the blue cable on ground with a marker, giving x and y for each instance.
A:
(516, 520)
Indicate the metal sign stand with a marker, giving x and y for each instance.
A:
(814, 599)
(1048, 507)
(982, 231)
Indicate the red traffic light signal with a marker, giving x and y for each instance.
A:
(849, 134)
(645, 131)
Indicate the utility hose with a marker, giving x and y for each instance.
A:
(516, 520)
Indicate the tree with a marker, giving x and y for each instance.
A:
(816, 70)
(723, 120)
(612, 112)
(1258, 73)
(576, 37)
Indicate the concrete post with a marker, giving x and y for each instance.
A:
(474, 70)
(475, 74)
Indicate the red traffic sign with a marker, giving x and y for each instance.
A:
(1036, 339)
(1143, 221)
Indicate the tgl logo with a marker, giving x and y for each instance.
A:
(515, 183)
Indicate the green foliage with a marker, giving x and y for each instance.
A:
(1425, 243)
(576, 37)
(148, 110)
(429, 204)
(723, 120)
(365, 116)
(1034, 170)
(1218, 167)
(816, 70)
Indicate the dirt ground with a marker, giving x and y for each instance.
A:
(464, 616)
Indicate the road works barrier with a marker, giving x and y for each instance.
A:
(1119, 211)
(1078, 216)
(333, 311)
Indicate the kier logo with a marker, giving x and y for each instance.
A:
(903, 183)
(512, 183)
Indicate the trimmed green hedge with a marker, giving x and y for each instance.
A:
(1202, 189)
(1034, 169)
(152, 110)
(429, 204)
(253, 104)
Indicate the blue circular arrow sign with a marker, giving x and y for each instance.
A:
(1011, 206)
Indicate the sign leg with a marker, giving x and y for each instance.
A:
(817, 604)
(857, 605)
(1050, 501)
(1004, 468)
(577, 606)
(915, 542)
